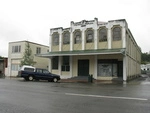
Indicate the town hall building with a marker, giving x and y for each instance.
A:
(106, 50)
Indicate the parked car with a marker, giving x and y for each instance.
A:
(30, 73)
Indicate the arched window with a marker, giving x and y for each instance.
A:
(66, 37)
(117, 33)
(77, 37)
(102, 35)
(55, 39)
(89, 36)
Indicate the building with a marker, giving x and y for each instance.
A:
(16, 52)
(106, 50)
(3, 66)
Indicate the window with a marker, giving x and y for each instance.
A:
(55, 39)
(55, 62)
(66, 38)
(102, 35)
(105, 69)
(15, 67)
(108, 67)
(77, 37)
(89, 36)
(65, 63)
(38, 50)
(16, 49)
(117, 33)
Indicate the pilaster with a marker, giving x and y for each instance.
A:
(95, 39)
(71, 41)
(60, 41)
(60, 64)
(83, 40)
(123, 37)
(109, 38)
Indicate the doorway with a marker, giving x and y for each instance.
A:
(83, 67)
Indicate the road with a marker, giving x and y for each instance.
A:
(19, 96)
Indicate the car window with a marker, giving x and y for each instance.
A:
(29, 69)
(39, 70)
(45, 71)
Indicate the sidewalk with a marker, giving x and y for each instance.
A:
(85, 80)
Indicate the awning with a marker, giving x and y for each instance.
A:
(82, 52)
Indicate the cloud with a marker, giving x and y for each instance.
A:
(31, 20)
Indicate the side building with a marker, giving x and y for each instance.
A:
(3, 66)
(106, 50)
(16, 52)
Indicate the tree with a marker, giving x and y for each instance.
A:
(1, 57)
(145, 58)
(28, 58)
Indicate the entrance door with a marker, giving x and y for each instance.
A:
(120, 69)
(83, 67)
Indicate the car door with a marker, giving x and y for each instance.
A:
(39, 74)
(47, 74)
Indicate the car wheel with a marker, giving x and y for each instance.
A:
(55, 79)
(30, 78)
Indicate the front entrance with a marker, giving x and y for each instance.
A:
(83, 67)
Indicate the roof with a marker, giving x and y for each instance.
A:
(29, 42)
(83, 52)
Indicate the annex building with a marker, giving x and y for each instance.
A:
(106, 50)
(15, 55)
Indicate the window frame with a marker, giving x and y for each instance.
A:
(119, 33)
(16, 49)
(55, 39)
(104, 33)
(15, 67)
(38, 50)
(77, 34)
(65, 63)
(89, 34)
(65, 42)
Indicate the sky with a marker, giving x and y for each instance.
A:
(32, 20)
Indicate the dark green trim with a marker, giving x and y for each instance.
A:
(84, 52)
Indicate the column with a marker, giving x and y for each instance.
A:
(95, 39)
(50, 65)
(124, 68)
(71, 41)
(95, 67)
(109, 38)
(60, 41)
(71, 74)
(50, 43)
(123, 37)
(83, 39)
(59, 64)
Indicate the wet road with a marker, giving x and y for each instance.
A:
(19, 96)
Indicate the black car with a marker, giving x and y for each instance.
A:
(31, 73)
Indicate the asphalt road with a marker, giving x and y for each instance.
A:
(19, 96)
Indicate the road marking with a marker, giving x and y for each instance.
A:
(111, 97)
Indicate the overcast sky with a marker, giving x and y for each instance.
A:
(32, 19)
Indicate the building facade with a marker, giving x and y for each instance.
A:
(3, 66)
(16, 52)
(106, 50)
